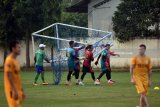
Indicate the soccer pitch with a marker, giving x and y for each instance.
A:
(120, 94)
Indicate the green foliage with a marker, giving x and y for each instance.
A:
(134, 18)
(78, 19)
(8, 23)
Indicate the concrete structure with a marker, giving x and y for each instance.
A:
(153, 50)
(100, 14)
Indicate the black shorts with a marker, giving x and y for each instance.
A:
(87, 69)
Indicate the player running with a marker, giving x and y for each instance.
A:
(87, 64)
(40, 55)
(105, 64)
(12, 82)
(141, 70)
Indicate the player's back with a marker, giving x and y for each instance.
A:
(12, 65)
(40, 54)
(88, 58)
(104, 60)
(70, 53)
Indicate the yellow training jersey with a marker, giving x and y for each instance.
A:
(12, 65)
(142, 66)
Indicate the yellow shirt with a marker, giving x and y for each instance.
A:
(142, 66)
(13, 66)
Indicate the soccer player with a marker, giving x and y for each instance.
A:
(77, 62)
(12, 81)
(105, 64)
(141, 70)
(70, 53)
(40, 55)
(87, 64)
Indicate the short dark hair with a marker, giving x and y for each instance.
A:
(71, 42)
(143, 45)
(108, 45)
(89, 47)
(13, 45)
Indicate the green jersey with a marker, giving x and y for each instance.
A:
(40, 55)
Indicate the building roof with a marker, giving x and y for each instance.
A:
(81, 7)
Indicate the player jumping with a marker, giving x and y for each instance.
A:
(141, 70)
(12, 82)
(40, 55)
(87, 64)
(105, 64)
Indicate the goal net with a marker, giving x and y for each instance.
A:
(56, 37)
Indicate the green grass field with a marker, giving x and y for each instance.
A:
(121, 94)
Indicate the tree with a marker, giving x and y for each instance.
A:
(33, 15)
(134, 18)
(8, 24)
(78, 19)
(19, 18)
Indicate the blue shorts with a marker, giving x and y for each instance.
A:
(39, 69)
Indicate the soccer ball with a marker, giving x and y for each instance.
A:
(156, 88)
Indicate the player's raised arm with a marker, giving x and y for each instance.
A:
(114, 54)
(81, 47)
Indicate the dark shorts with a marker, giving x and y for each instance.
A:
(106, 69)
(87, 69)
(77, 67)
(39, 69)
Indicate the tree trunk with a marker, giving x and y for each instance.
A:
(27, 51)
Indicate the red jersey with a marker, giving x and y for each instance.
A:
(108, 58)
(88, 58)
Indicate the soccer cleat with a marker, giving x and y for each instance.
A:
(35, 84)
(45, 83)
(81, 83)
(97, 82)
(113, 81)
(67, 83)
(77, 83)
(110, 82)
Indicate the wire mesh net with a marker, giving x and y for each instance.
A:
(57, 36)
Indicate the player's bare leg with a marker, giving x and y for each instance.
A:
(143, 101)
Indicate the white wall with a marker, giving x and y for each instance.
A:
(101, 17)
(153, 50)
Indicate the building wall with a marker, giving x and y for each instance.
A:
(126, 50)
(101, 17)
